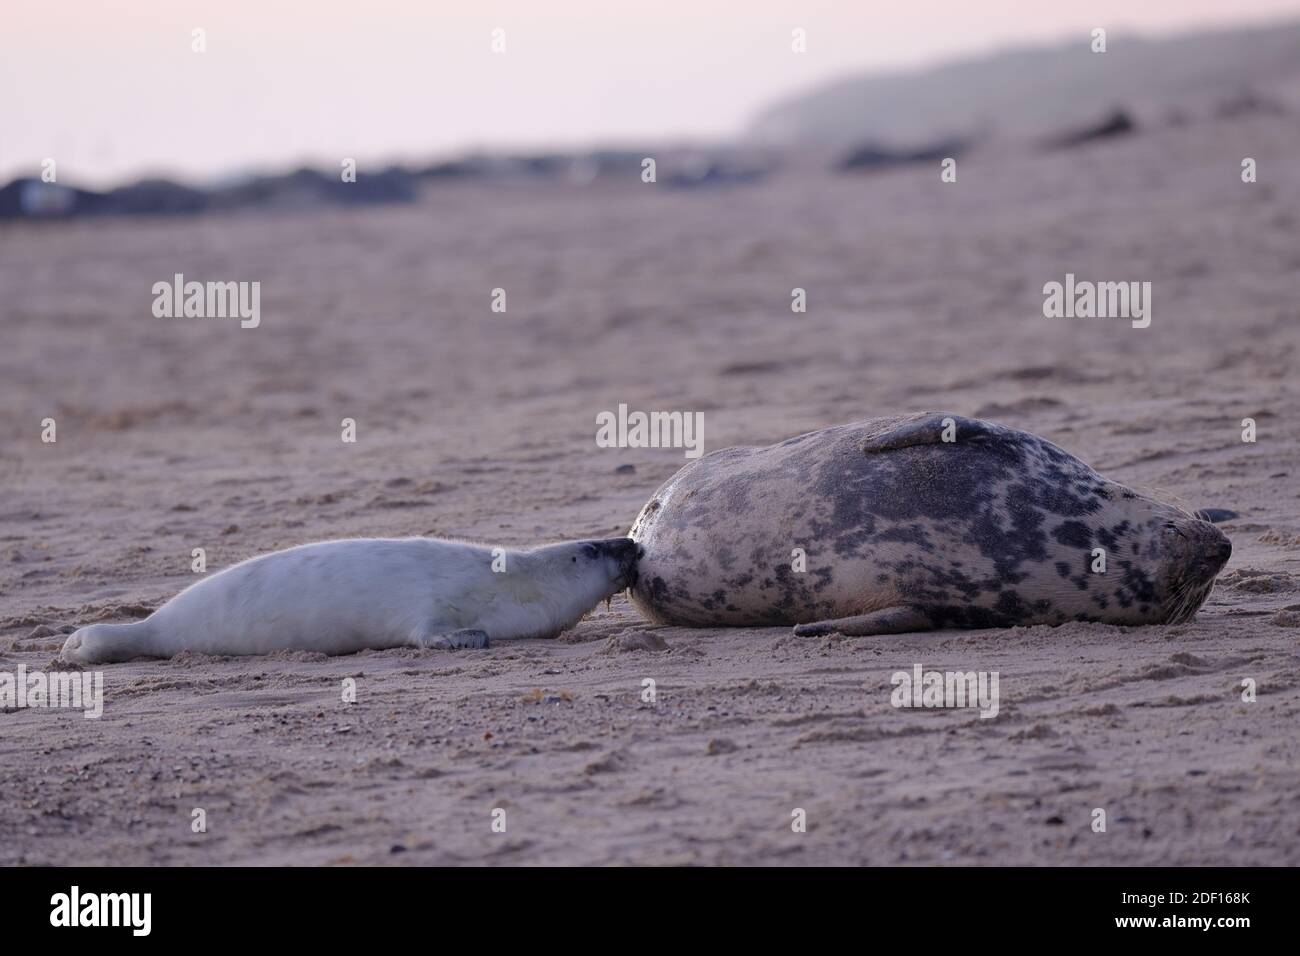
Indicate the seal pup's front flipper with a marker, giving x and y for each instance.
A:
(932, 428)
(1217, 515)
(889, 620)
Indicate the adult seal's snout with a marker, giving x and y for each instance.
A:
(1215, 549)
(915, 522)
(1225, 549)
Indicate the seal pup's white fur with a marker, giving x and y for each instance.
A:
(339, 597)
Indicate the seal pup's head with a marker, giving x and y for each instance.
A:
(573, 577)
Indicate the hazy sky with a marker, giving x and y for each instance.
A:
(111, 88)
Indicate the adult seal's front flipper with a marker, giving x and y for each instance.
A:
(890, 620)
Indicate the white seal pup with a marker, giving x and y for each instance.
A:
(912, 523)
(339, 597)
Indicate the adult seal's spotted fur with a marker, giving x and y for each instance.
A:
(912, 523)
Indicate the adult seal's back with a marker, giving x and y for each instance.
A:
(911, 523)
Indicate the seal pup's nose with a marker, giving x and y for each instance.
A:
(617, 547)
(625, 551)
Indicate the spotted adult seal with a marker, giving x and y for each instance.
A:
(913, 523)
(339, 597)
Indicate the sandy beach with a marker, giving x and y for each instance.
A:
(175, 434)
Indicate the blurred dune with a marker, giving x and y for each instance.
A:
(1031, 93)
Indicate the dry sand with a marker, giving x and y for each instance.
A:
(175, 434)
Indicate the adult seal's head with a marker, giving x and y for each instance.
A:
(908, 523)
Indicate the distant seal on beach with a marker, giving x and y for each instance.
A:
(339, 597)
(914, 523)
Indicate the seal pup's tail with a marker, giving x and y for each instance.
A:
(109, 643)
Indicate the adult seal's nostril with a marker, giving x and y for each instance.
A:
(1222, 552)
(1214, 546)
